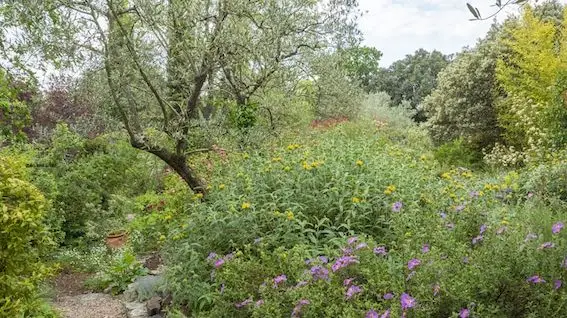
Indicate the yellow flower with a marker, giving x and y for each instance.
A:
(355, 200)
(277, 213)
(446, 175)
(359, 163)
(167, 217)
(162, 237)
(197, 196)
(209, 187)
(289, 215)
(245, 155)
(390, 189)
(293, 146)
(246, 205)
(423, 158)
(505, 222)
(277, 159)
(221, 186)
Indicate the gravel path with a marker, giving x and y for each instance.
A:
(90, 306)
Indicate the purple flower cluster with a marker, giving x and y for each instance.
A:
(219, 261)
(557, 227)
(397, 206)
(243, 303)
(546, 245)
(425, 248)
(464, 313)
(380, 250)
(374, 314)
(536, 279)
(407, 301)
(388, 296)
(413, 263)
(319, 272)
(279, 280)
(344, 261)
(352, 290)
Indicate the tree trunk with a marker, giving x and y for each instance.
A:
(178, 163)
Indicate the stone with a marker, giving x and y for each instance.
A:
(153, 305)
(136, 310)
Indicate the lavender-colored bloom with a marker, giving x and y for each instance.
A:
(259, 303)
(352, 240)
(371, 314)
(388, 296)
(557, 284)
(323, 259)
(464, 313)
(279, 279)
(557, 227)
(443, 215)
(530, 236)
(229, 256)
(407, 301)
(436, 289)
(212, 255)
(244, 303)
(258, 240)
(413, 263)
(530, 194)
(386, 314)
(425, 248)
(546, 245)
(466, 259)
(301, 284)
(319, 272)
(477, 239)
(297, 309)
(535, 280)
(380, 250)
(501, 230)
(344, 261)
(361, 246)
(219, 262)
(347, 281)
(397, 206)
(308, 261)
(474, 194)
(346, 251)
(460, 207)
(483, 228)
(352, 290)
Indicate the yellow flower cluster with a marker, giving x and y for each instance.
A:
(277, 159)
(390, 189)
(355, 200)
(246, 205)
(293, 146)
(308, 166)
(359, 163)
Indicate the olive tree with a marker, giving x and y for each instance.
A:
(161, 58)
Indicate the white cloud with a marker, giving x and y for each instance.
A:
(399, 27)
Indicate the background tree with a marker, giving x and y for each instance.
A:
(412, 78)
(362, 65)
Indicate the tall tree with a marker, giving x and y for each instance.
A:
(160, 57)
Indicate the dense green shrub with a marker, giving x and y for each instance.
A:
(457, 153)
(24, 242)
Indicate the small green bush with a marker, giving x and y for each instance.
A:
(457, 153)
(24, 242)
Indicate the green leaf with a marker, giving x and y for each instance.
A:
(473, 10)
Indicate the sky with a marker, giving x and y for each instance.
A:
(400, 27)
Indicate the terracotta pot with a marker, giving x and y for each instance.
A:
(116, 239)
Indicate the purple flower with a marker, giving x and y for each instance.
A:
(258, 240)
(546, 245)
(380, 250)
(557, 227)
(319, 272)
(425, 248)
(388, 296)
(530, 236)
(301, 284)
(530, 194)
(483, 228)
(436, 289)
(344, 261)
(259, 303)
(346, 251)
(244, 303)
(407, 301)
(352, 290)
(474, 194)
(557, 284)
(464, 313)
(352, 240)
(212, 255)
(460, 207)
(219, 262)
(361, 246)
(397, 206)
(386, 314)
(279, 279)
(466, 259)
(535, 280)
(443, 215)
(371, 314)
(477, 239)
(323, 259)
(501, 230)
(413, 263)
(297, 309)
(347, 281)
